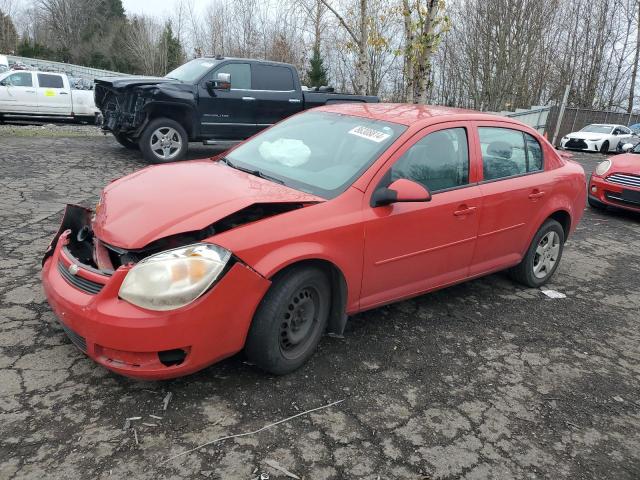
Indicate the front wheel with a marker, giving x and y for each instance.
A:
(164, 140)
(543, 256)
(604, 148)
(290, 320)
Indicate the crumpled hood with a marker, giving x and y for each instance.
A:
(626, 163)
(587, 135)
(121, 82)
(164, 200)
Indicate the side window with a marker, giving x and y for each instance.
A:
(507, 153)
(240, 75)
(272, 77)
(21, 79)
(50, 81)
(438, 161)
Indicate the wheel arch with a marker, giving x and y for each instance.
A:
(563, 217)
(182, 114)
(339, 288)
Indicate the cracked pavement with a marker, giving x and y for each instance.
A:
(487, 379)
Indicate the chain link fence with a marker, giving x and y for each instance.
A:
(576, 118)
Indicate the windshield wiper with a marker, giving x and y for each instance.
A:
(250, 171)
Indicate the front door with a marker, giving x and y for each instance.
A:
(228, 114)
(18, 94)
(515, 189)
(414, 247)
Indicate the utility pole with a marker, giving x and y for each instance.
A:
(563, 105)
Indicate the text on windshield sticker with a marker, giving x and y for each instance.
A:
(369, 134)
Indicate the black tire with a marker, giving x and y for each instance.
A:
(160, 127)
(1, 119)
(524, 272)
(126, 142)
(276, 343)
(593, 203)
(604, 148)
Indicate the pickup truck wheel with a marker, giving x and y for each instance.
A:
(126, 142)
(164, 140)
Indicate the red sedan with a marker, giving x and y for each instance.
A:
(328, 213)
(616, 182)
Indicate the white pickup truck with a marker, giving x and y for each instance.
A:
(44, 95)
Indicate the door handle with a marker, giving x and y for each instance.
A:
(64, 93)
(29, 91)
(464, 210)
(248, 99)
(536, 194)
(294, 100)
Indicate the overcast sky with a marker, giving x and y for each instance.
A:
(158, 8)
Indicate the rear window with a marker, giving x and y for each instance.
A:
(272, 77)
(50, 81)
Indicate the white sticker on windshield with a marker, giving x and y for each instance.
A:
(369, 134)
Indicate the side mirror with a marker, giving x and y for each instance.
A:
(4, 83)
(402, 190)
(222, 81)
(627, 147)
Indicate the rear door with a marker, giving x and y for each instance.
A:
(515, 189)
(275, 93)
(54, 94)
(228, 114)
(18, 94)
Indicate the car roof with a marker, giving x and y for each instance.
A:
(406, 113)
(610, 125)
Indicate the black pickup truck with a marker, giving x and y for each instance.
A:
(213, 100)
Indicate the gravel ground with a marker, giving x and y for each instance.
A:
(483, 380)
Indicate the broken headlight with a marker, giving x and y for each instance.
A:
(174, 278)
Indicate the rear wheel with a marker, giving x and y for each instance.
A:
(126, 142)
(290, 320)
(604, 148)
(164, 140)
(543, 256)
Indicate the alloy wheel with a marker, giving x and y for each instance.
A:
(166, 143)
(546, 256)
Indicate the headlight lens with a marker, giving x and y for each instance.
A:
(595, 139)
(603, 167)
(174, 278)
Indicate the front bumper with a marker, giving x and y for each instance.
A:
(128, 340)
(612, 194)
(580, 144)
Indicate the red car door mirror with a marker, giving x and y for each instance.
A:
(402, 190)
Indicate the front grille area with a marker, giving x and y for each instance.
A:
(76, 339)
(576, 143)
(80, 283)
(625, 179)
(624, 199)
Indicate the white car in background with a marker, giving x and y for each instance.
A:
(34, 94)
(597, 137)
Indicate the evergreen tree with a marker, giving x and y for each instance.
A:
(171, 47)
(8, 34)
(317, 74)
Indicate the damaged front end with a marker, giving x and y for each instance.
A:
(123, 111)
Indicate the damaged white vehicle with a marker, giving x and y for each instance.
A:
(597, 137)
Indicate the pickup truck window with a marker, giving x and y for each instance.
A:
(272, 77)
(317, 152)
(240, 75)
(50, 81)
(20, 79)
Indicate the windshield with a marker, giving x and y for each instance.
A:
(193, 70)
(317, 152)
(597, 129)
